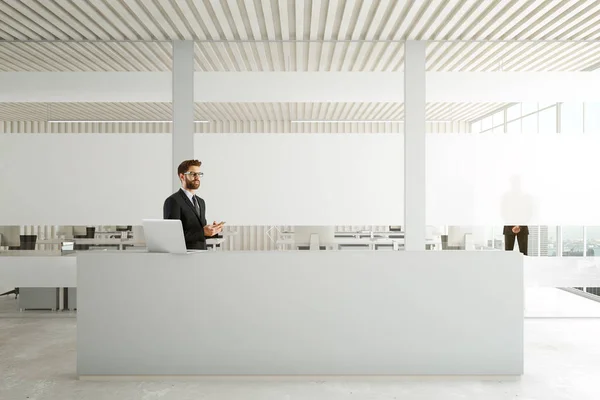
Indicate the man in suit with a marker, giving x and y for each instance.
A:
(521, 232)
(189, 208)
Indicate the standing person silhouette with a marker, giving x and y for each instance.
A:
(521, 233)
(517, 206)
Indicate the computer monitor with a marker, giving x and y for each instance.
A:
(165, 236)
(322, 237)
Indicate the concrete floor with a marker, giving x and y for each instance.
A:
(37, 361)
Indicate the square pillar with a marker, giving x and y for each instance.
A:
(183, 105)
(414, 145)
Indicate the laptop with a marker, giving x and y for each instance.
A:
(165, 236)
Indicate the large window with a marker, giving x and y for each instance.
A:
(571, 118)
(545, 118)
(528, 108)
(572, 241)
(591, 121)
(592, 234)
(514, 126)
(514, 112)
(498, 119)
(521, 118)
(530, 124)
(549, 244)
(542, 241)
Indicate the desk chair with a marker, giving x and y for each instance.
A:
(15, 291)
(217, 245)
(27, 242)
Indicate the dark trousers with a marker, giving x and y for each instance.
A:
(522, 238)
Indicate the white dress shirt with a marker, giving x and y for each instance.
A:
(190, 196)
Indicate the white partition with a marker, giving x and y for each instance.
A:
(300, 179)
(38, 271)
(562, 271)
(303, 179)
(83, 179)
(497, 179)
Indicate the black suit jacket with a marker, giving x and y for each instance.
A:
(508, 230)
(179, 206)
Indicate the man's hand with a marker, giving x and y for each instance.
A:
(516, 229)
(211, 230)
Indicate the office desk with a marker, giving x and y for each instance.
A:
(300, 313)
(339, 242)
(214, 242)
(371, 240)
(118, 242)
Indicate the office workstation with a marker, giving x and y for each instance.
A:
(380, 204)
(334, 201)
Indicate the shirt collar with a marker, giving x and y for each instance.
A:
(189, 194)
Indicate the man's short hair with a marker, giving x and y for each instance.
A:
(185, 166)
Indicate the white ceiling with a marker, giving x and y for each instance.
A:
(298, 35)
(304, 56)
(290, 35)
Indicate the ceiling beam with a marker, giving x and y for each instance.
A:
(310, 87)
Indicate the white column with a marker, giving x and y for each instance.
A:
(183, 104)
(414, 145)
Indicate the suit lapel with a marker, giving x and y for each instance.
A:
(200, 208)
(189, 203)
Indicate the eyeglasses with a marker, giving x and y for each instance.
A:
(195, 174)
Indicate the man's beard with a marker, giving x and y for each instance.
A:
(193, 185)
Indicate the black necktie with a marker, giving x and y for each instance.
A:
(196, 206)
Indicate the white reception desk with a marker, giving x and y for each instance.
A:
(300, 313)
